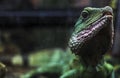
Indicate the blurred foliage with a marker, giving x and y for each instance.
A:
(113, 4)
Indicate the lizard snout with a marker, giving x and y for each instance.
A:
(107, 11)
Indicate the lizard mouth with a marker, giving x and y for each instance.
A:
(80, 39)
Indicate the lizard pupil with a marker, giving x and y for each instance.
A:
(84, 14)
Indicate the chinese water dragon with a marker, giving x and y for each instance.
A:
(92, 37)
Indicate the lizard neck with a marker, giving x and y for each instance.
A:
(88, 60)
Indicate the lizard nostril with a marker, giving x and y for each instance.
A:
(107, 13)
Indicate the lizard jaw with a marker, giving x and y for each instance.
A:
(77, 40)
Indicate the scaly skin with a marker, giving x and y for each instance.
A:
(91, 39)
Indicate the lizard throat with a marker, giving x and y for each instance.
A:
(77, 40)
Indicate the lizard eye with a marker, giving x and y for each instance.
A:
(85, 14)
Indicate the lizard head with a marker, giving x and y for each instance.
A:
(93, 31)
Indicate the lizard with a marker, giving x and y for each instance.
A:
(92, 37)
